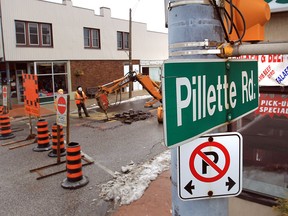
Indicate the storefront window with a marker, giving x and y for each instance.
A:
(44, 68)
(51, 77)
(13, 88)
(45, 86)
(59, 68)
(265, 149)
(3, 82)
(265, 132)
(60, 82)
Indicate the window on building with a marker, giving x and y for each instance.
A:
(20, 33)
(46, 34)
(122, 40)
(33, 34)
(91, 38)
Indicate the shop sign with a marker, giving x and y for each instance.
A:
(276, 105)
(278, 5)
(272, 69)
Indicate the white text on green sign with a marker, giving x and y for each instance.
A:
(199, 96)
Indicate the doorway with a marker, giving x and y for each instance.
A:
(19, 85)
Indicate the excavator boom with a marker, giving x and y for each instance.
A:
(152, 88)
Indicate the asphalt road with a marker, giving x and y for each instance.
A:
(111, 145)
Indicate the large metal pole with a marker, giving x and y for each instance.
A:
(68, 121)
(193, 21)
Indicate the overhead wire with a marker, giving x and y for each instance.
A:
(243, 20)
(229, 19)
(221, 20)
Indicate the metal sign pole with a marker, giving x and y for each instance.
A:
(192, 24)
(30, 126)
(68, 120)
(58, 144)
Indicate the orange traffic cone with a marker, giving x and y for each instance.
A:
(42, 136)
(5, 127)
(75, 178)
(53, 153)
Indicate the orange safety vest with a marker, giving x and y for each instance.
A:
(78, 98)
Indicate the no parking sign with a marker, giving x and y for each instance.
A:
(210, 167)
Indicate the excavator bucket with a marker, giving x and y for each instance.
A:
(160, 114)
(102, 101)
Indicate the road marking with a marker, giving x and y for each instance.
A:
(105, 169)
(98, 164)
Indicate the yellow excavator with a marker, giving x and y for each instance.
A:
(153, 88)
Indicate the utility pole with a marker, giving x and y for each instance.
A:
(195, 31)
(130, 52)
(193, 22)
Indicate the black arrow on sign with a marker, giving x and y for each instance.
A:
(189, 187)
(230, 183)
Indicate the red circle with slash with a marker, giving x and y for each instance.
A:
(198, 152)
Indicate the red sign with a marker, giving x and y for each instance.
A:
(4, 94)
(198, 152)
(273, 105)
(61, 105)
(4, 91)
(31, 97)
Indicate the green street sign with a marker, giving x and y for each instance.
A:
(201, 95)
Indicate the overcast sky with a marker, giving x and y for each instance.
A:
(146, 11)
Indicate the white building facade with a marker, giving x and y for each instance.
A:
(67, 46)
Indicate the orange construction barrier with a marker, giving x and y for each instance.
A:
(53, 153)
(75, 178)
(42, 136)
(5, 127)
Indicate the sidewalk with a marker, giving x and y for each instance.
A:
(157, 198)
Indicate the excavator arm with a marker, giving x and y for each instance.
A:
(116, 85)
(152, 88)
(111, 87)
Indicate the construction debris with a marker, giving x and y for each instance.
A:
(131, 116)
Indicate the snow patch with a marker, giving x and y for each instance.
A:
(126, 188)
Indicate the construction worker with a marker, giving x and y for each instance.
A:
(80, 98)
(60, 91)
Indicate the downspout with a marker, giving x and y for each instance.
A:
(4, 59)
(2, 35)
